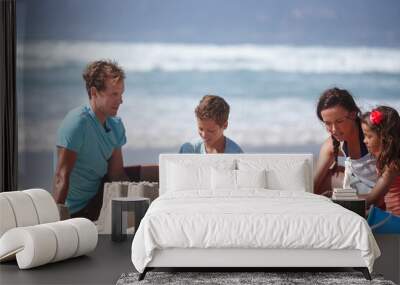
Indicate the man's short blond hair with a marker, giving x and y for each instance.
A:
(212, 107)
(96, 73)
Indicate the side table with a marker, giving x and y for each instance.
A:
(137, 205)
(356, 205)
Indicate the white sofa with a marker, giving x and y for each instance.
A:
(31, 231)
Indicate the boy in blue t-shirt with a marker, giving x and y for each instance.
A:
(212, 119)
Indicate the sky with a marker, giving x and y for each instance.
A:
(293, 22)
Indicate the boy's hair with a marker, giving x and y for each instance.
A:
(96, 73)
(214, 108)
(388, 130)
(331, 98)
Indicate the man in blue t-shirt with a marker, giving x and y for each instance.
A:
(89, 142)
(212, 119)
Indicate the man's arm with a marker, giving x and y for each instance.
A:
(116, 170)
(65, 163)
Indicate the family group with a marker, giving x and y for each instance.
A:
(90, 139)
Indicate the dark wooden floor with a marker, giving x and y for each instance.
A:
(102, 266)
(110, 259)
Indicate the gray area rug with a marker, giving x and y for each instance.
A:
(226, 278)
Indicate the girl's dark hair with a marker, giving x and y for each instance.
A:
(336, 97)
(388, 131)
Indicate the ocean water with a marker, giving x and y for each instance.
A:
(272, 90)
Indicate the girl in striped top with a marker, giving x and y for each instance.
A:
(381, 128)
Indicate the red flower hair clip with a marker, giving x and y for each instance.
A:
(376, 117)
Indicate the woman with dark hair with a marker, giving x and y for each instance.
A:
(340, 115)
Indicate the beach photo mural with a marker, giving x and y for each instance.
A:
(269, 59)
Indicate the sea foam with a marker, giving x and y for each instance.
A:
(143, 57)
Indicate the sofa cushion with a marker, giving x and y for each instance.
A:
(66, 237)
(23, 208)
(26, 208)
(40, 244)
(31, 233)
(7, 215)
(45, 205)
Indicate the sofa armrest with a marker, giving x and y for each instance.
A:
(37, 245)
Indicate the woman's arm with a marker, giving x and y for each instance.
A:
(323, 175)
(381, 187)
